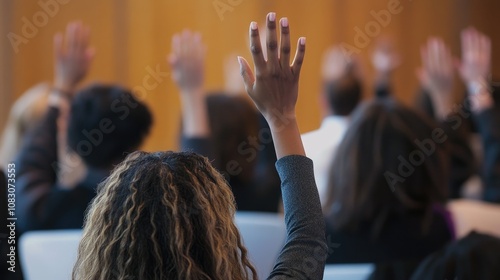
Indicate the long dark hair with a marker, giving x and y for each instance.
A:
(367, 182)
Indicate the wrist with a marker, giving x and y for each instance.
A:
(279, 120)
(477, 86)
(59, 98)
(64, 86)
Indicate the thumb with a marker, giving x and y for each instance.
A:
(246, 73)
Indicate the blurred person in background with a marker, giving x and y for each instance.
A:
(101, 124)
(233, 137)
(475, 256)
(23, 116)
(342, 91)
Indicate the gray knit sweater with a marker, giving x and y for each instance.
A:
(305, 250)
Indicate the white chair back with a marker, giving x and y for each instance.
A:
(264, 236)
(348, 271)
(49, 255)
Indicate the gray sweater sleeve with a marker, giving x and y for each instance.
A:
(304, 253)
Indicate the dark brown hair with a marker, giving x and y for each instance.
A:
(381, 135)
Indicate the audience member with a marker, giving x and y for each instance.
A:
(105, 123)
(231, 136)
(475, 71)
(23, 116)
(342, 91)
(169, 215)
(475, 256)
(387, 188)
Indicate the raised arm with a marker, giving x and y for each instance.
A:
(274, 89)
(475, 70)
(37, 188)
(187, 61)
(436, 76)
(385, 60)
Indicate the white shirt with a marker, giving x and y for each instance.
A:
(320, 146)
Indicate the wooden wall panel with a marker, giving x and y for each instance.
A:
(132, 37)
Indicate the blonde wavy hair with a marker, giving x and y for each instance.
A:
(162, 215)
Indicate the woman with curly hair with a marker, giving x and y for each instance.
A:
(170, 215)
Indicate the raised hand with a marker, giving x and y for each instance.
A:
(385, 58)
(436, 75)
(335, 64)
(72, 57)
(476, 56)
(275, 84)
(188, 61)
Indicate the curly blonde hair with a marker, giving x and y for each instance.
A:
(162, 215)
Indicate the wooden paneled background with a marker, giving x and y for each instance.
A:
(132, 36)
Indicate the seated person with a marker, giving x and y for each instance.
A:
(475, 256)
(438, 100)
(387, 188)
(168, 215)
(233, 138)
(342, 91)
(23, 116)
(105, 123)
(483, 101)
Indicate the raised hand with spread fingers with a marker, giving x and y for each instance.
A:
(274, 85)
(187, 61)
(437, 74)
(73, 57)
(475, 68)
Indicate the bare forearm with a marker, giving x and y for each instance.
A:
(194, 115)
(286, 136)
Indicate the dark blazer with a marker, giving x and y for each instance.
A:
(41, 203)
(488, 126)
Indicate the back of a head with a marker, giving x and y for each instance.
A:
(476, 256)
(233, 121)
(387, 164)
(162, 215)
(105, 123)
(343, 94)
(23, 116)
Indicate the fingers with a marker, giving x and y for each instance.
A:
(285, 44)
(256, 48)
(299, 56)
(272, 41)
(246, 73)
